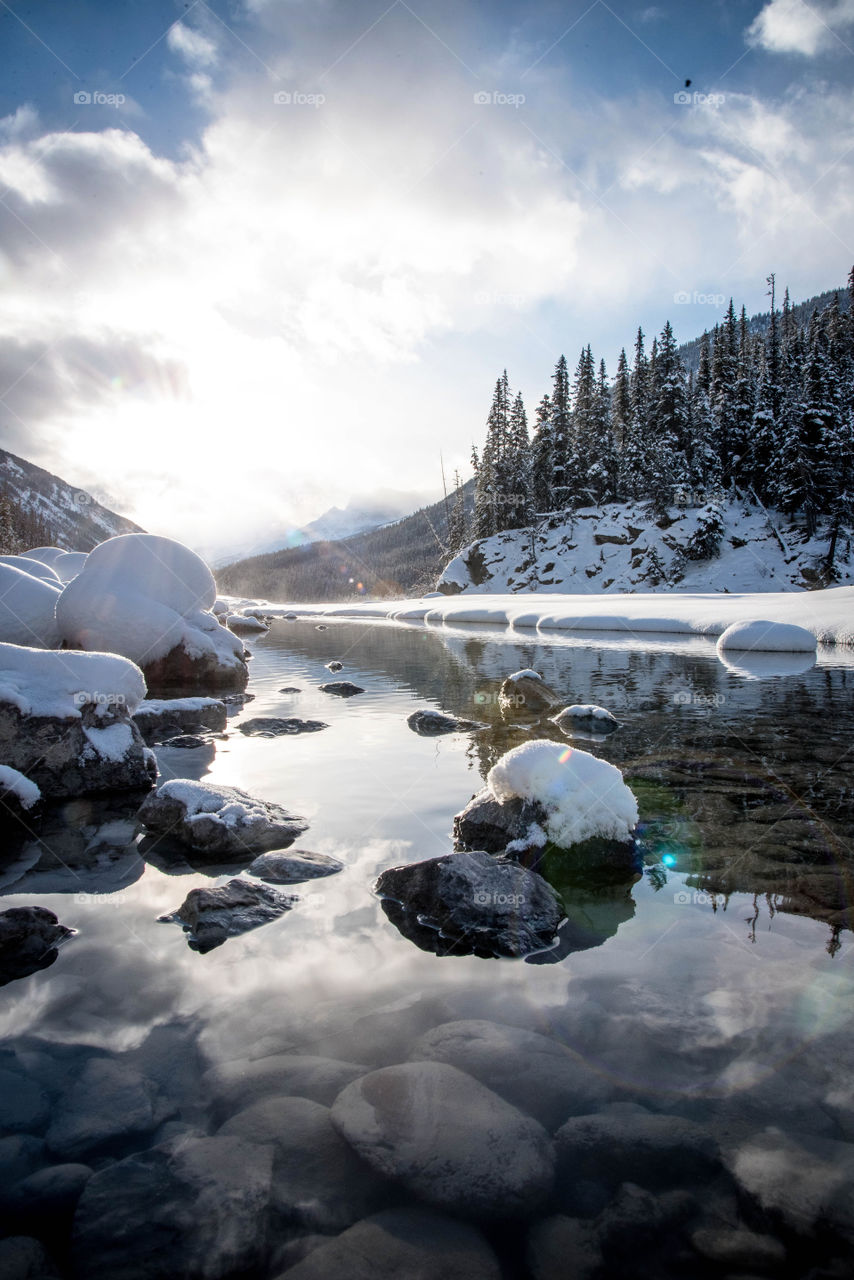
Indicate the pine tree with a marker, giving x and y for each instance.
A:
(518, 495)
(633, 454)
(542, 462)
(704, 455)
(724, 391)
(561, 427)
(603, 468)
(666, 460)
(458, 532)
(579, 457)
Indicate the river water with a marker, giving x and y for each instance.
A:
(716, 986)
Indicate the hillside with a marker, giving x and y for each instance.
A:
(622, 547)
(48, 510)
(396, 559)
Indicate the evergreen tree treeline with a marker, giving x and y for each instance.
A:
(770, 414)
(20, 530)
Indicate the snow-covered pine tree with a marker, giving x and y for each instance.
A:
(581, 429)
(633, 458)
(667, 438)
(518, 495)
(561, 427)
(603, 467)
(542, 464)
(724, 391)
(705, 460)
(458, 530)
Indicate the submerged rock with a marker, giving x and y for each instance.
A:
(535, 1073)
(192, 1207)
(108, 1103)
(626, 1143)
(430, 724)
(806, 1181)
(275, 726)
(211, 916)
(29, 941)
(562, 1247)
(277, 867)
(318, 1181)
(341, 688)
(222, 822)
(24, 1258)
(23, 1104)
(402, 1244)
(236, 1085)
(289, 688)
(471, 902)
(447, 1139)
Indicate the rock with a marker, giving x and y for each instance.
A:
(278, 867)
(222, 822)
(739, 1250)
(806, 1181)
(486, 823)
(178, 670)
(274, 726)
(186, 742)
(23, 1258)
(321, 626)
(447, 1139)
(561, 1247)
(471, 902)
(105, 1106)
(83, 846)
(318, 1181)
(526, 693)
(237, 1085)
(29, 941)
(211, 916)
(335, 666)
(341, 688)
(163, 718)
(193, 1207)
(624, 1143)
(586, 719)
(533, 1072)
(402, 1244)
(240, 622)
(290, 1252)
(24, 1107)
(20, 1155)
(430, 724)
(289, 688)
(237, 699)
(48, 1194)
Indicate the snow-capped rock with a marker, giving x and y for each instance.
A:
(526, 693)
(222, 822)
(27, 608)
(18, 795)
(151, 599)
(585, 718)
(162, 718)
(431, 724)
(65, 721)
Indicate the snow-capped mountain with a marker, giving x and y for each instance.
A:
(71, 517)
(729, 546)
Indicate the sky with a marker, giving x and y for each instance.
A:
(263, 257)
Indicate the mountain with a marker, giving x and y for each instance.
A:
(47, 510)
(400, 558)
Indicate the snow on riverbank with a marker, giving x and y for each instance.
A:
(828, 614)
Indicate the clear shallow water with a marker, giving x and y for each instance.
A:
(717, 987)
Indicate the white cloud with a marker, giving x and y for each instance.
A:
(196, 48)
(793, 26)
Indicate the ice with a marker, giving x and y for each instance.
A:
(44, 683)
(583, 796)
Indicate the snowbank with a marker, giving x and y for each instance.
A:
(60, 684)
(27, 606)
(34, 568)
(584, 797)
(149, 598)
(67, 566)
(45, 555)
(27, 792)
(767, 637)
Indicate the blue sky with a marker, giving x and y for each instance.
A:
(280, 254)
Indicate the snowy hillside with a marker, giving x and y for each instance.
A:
(74, 519)
(620, 547)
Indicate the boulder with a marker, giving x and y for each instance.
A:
(192, 1207)
(526, 693)
(341, 688)
(23, 1258)
(278, 867)
(276, 726)
(626, 1143)
(151, 599)
(535, 1073)
(236, 1085)
(65, 721)
(401, 1244)
(739, 1250)
(29, 941)
(586, 719)
(211, 916)
(161, 718)
(560, 1247)
(487, 823)
(430, 724)
(471, 902)
(48, 1195)
(447, 1140)
(24, 1105)
(805, 1181)
(221, 822)
(334, 666)
(319, 1183)
(105, 1106)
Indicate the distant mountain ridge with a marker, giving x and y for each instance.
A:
(74, 519)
